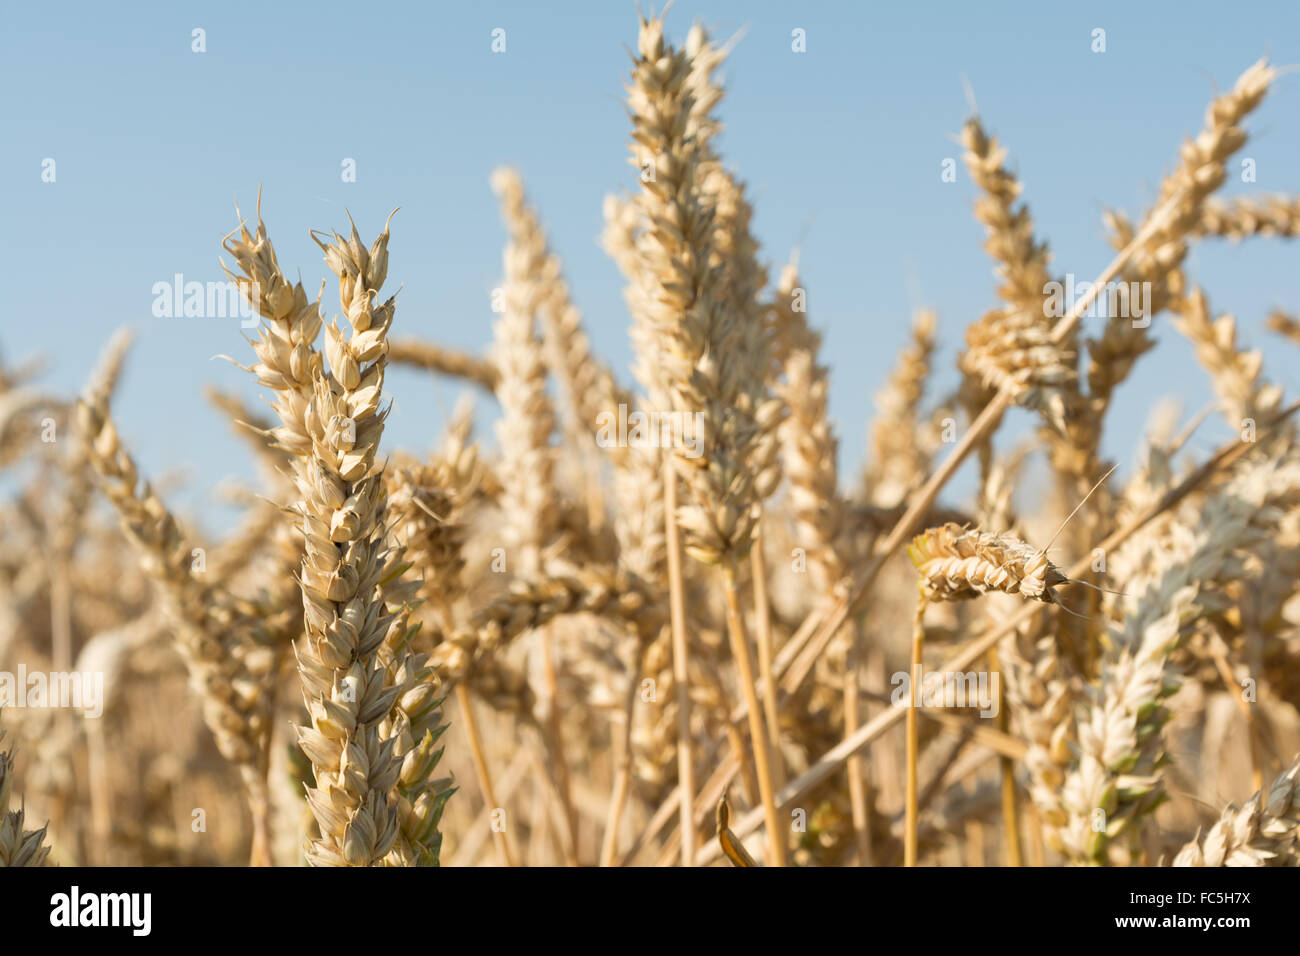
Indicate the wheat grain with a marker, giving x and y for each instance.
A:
(1263, 832)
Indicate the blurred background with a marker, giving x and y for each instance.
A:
(842, 146)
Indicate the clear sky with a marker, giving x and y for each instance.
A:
(842, 146)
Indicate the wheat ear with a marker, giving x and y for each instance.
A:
(223, 647)
(18, 846)
(374, 710)
(444, 360)
(1243, 217)
(710, 361)
(1115, 768)
(1014, 345)
(1234, 371)
(1263, 832)
(1200, 172)
(898, 461)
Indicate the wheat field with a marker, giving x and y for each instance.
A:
(646, 621)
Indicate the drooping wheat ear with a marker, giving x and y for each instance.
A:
(18, 847)
(899, 461)
(1261, 833)
(705, 359)
(1201, 171)
(957, 563)
(527, 420)
(1114, 778)
(224, 648)
(1014, 343)
(1243, 216)
(954, 564)
(1234, 372)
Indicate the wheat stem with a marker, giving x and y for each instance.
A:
(763, 636)
(757, 734)
(856, 768)
(910, 801)
(622, 771)
(479, 757)
(1007, 772)
(681, 660)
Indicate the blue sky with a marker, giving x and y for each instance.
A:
(841, 145)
